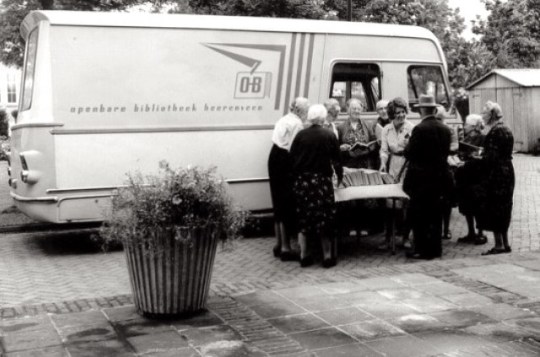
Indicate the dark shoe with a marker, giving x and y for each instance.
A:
(508, 250)
(467, 239)
(305, 262)
(479, 240)
(277, 251)
(495, 251)
(289, 256)
(447, 236)
(328, 263)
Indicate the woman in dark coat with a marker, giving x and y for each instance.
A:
(496, 190)
(315, 157)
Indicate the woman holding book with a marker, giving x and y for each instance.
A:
(358, 144)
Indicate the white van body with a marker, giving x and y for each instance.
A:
(104, 94)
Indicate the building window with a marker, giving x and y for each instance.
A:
(11, 87)
(356, 80)
(427, 80)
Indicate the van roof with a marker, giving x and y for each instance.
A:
(125, 19)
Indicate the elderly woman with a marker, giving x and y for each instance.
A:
(496, 189)
(281, 179)
(315, 156)
(333, 108)
(353, 132)
(467, 175)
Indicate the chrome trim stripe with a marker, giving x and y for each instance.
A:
(35, 125)
(77, 197)
(82, 189)
(158, 130)
(19, 198)
(110, 188)
(249, 180)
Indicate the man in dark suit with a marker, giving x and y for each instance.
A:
(427, 179)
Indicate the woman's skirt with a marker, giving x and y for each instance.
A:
(281, 187)
(316, 209)
(496, 198)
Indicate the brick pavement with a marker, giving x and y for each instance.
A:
(475, 307)
(463, 304)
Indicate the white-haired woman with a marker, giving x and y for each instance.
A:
(467, 177)
(496, 190)
(281, 177)
(315, 156)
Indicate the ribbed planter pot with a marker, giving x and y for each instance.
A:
(176, 279)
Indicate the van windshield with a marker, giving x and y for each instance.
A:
(29, 69)
(427, 80)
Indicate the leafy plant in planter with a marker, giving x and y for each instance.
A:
(170, 224)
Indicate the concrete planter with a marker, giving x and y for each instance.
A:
(176, 279)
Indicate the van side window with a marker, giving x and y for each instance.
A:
(29, 69)
(427, 80)
(356, 80)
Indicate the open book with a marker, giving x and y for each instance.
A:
(467, 146)
(363, 146)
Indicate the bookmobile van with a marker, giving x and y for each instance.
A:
(109, 93)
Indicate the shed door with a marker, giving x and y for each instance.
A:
(520, 120)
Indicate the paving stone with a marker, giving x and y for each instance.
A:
(342, 287)
(414, 279)
(348, 351)
(387, 309)
(230, 349)
(56, 351)
(417, 323)
(429, 304)
(322, 303)
(208, 335)
(371, 330)
(301, 292)
(31, 338)
(157, 342)
(344, 316)
(397, 345)
(468, 300)
(87, 333)
(323, 338)
(452, 342)
(259, 298)
(141, 326)
(531, 324)
(178, 352)
(502, 312)
(104, 348)
(363, 298)
(122, 313)
(277, 309)
(462, 318)
(442, 289)
(81, 318)
(298, 323)
(499, 332)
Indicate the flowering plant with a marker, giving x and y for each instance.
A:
(174, 202)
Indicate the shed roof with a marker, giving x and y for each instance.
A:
(525, 77)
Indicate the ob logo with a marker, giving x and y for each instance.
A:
(252, 84)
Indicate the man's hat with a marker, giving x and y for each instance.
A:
(426, 101)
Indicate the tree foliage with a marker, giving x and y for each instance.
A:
(512, 32)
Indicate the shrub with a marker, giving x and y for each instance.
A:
(174, 201)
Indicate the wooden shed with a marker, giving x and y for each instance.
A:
(518, 93)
